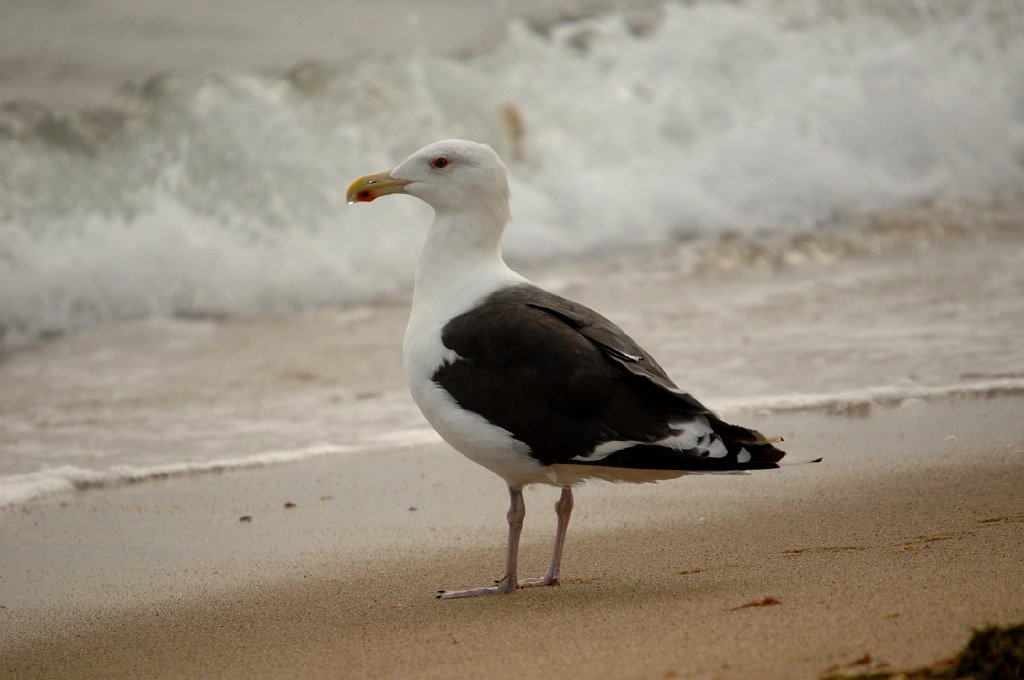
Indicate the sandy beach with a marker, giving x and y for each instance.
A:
(909, 534)
(906, 537)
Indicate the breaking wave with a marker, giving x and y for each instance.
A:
(225, 195)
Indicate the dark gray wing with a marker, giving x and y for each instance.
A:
(615, 343)
(557, 375)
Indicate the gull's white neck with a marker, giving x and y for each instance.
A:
(459, 266)
(461, 262)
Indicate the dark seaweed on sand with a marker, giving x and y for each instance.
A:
(993, 653)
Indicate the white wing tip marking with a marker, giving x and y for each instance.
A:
(717, 449)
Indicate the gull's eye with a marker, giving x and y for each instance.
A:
(440, 162)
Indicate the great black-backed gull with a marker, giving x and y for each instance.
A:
(534, 387)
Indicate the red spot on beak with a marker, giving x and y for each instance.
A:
(365, 195)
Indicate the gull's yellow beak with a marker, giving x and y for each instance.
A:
(366, 189)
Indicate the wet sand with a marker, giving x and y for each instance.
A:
(910, 533)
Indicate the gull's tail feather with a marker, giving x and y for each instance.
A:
(725, 447)
(761, 448)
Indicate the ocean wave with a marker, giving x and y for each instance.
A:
(224, 195)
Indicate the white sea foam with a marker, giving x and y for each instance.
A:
(226, 196)
(15, 489)
(859, 401)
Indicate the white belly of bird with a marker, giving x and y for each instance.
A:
(467, 432)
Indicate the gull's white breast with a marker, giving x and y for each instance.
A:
(424, 352)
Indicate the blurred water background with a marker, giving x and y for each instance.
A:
(160, 161)
(184, 166)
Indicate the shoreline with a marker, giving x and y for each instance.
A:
(910, 533)
(850, 403)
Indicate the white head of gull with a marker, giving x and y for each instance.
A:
(535, 387)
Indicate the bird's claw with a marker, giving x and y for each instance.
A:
(501, 586)
(504, 586)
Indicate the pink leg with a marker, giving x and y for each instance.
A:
(509, 582)
(563, 508)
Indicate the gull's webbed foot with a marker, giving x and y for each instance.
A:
(540, 581)
(504, 586)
